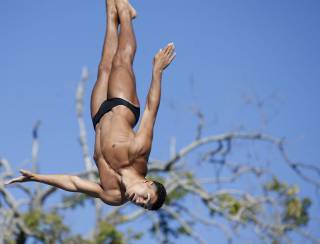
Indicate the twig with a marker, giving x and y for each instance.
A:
(184, 224)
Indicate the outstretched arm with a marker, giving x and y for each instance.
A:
(161, 61)
(71, 183)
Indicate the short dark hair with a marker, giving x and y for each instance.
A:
(161, 195)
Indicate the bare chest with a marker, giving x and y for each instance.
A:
(118, 146)
(120, 156)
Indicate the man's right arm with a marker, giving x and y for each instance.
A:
(73, 183)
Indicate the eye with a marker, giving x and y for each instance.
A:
(148, 197)
(132, 197)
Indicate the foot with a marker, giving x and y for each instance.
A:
(123, 5)
(26, 176)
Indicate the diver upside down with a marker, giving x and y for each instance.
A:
(120, 153)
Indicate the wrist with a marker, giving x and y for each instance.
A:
(35, 177)
(156, 71)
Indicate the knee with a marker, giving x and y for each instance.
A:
(104, 68)
(124, 57)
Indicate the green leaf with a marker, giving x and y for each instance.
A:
(291, 191)
(32, 219)
(108, 233)
(176, 195)
(275, 185)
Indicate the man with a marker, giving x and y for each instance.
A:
(121, 155)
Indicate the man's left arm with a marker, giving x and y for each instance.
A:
(162, 59)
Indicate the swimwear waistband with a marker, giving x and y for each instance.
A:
(107, 105)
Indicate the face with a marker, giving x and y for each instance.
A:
(143, 194)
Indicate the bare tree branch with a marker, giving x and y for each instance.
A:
(35, 147)
(184, 224)
(83, 137)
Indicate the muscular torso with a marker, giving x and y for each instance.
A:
(116, 148)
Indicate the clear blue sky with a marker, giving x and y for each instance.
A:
(229, 49)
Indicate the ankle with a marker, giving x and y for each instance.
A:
(35, 177)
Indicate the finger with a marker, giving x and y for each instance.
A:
(169, 48)
(171, 44)
(18, 179)
(25, 172)
(172, 57)
(8, 182)
(169, 52)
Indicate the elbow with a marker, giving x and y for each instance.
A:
(73, 186)
(153, 103)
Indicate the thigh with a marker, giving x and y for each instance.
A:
(122, 84)
(100, 91)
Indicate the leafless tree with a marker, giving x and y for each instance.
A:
(207, 185)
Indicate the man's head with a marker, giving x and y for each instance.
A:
(147, 194)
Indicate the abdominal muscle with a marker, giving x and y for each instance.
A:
(116, 137)
(113, 138)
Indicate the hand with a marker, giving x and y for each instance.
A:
(26, 176)
(164, 57)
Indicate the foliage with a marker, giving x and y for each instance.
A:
(50, 226)
(295, 209)
(217, 197)
(108, 234)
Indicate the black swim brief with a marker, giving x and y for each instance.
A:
(107, 105)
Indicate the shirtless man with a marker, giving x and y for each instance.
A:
(121, 155)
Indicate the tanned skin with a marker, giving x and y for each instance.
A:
(120, 153)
